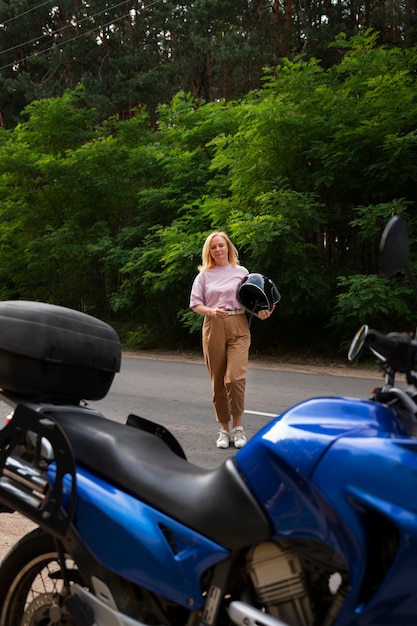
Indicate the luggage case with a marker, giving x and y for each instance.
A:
(56, 354)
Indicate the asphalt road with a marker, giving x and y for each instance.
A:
(178, 395)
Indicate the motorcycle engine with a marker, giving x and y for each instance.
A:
(278, 579)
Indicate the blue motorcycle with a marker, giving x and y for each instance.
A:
(312, 523)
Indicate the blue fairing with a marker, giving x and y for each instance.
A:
(334, 470)
(373, 480)
(282, 457)
(141, 544)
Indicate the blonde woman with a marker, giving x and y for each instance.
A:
(226, 335)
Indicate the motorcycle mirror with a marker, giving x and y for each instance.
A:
(358, 342)
(393, 248)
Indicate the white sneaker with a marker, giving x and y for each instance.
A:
(223, 441)
(239, 437)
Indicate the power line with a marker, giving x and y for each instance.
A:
(62, 43)
(38, 6)
(58, 30)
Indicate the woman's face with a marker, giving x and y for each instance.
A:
(219, 251)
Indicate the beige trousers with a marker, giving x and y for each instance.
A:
(226, 345)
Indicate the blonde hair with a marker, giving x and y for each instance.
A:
(207, 259)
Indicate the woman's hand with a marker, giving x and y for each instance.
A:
(219, 311)
(264, 314)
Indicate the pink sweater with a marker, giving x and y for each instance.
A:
(218, 285)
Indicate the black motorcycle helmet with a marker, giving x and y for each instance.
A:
(257, 292)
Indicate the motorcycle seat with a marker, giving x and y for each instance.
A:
(215, 502)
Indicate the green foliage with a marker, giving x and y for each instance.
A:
(141, 339)
(56, 125)
(142, 55)
(385, 306)
(303, 174)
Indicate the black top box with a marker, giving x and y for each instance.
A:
(56, 354)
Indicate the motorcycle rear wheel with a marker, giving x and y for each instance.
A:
(32, 585)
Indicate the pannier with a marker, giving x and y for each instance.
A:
(56, 354)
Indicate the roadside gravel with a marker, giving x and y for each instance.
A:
(332, 367)
(12, 527)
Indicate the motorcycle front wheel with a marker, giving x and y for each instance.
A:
(32, 588)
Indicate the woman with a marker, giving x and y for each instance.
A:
(226, 334)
